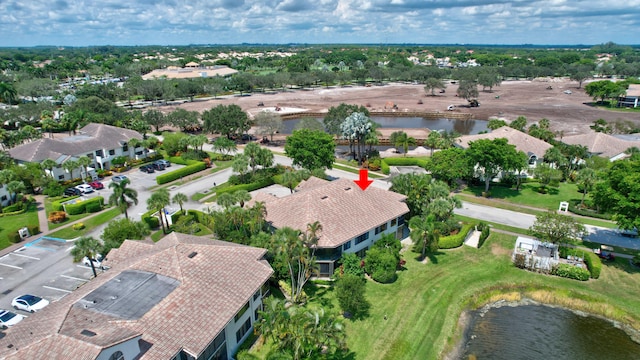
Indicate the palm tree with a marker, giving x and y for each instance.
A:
(424, 233)
(180, 199)
(120, 195)
(157, 201)
(242, 196)
(434, 140)
(84, 161)
(89, 247)
(49, 164)
(400, 138)
(8, 93)
(586, 179)
(226, 200)
(14, 188)
(69, 166)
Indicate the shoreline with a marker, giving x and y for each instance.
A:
(461, 333)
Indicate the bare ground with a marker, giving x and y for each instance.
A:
(569, 113)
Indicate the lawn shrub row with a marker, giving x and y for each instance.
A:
(57, 205)
(594, 263)
(84, 206)
(571, 272)
(586, 212)
(14, 237)
(384, 167)
(405, 161)
(485, 231)
(249, 187)
(454, 241)
(178, 173)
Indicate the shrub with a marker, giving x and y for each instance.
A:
(520, 261)
(571, 272)
(81, 207)
(384, 167)
(594, 264)
(178, 173)
(384, 276)
(93, 207)
(248, 187)
(78, 226)
(484, 234)
(57, 216)
(14, 237)
(573, 207)
(636, 260)
(381, 265)
(374, 164)
(33, 229)
(13, 208)
(151, 221)
(57, 205)
(454, 241)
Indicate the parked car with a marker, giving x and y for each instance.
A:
(166, 163)
(72, 192)
(147, 168)
(85, 188)
(158, 165)
(605, 252)
(96, 185)
(97, 262)
(7, 318)
(30, 303)
(119, 178)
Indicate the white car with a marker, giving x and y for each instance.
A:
(7, 318)
(85, 188)
(97, 262)
(29, 303)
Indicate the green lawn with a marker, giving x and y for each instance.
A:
(423, 306)
(355, 171)
(90, 224)
(529, 195)
(10, 224)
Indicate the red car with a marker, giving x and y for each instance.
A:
(97, 185)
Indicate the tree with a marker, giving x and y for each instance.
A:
(604, 89)
(268, 123)
(241, 196)
(311, 149)
(291, 178)
(337, 115)
(84, 162)
(580, 74)
(547, 176)
(350, 292)
(586, 179)
(226, 200)
(556, 228)
(431, 84)
(424, 233)
(468, 89)
(621, 193)
(496, 124)
(240, 164)
(48, 164)
(69, 166)
(258, 156)
(228, 120)
(14, 188)
(309, 123)
(224, 145)
(449, 165)
(158, 201)
(180, 199)
(120, 230)
(121, 196)
(488, 79)
(355, 128)
(8, 93)
(400, 138)
(86, 247)
(519, 123)
(490, 157)
(155, 119)
(434, 140)
(187, 121)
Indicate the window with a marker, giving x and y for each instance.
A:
(125, 147)
(112, 152)
(324, 269)
(118, 355)
(99, 153)
(60, 177)
(401, 220)
(241, 312)
(256, 314)
(346, 245)
(217, 349)
(362, 252)
(243, 330)
(256, 295)
(90, 156)
(362, 238)
(3, 198)
(381, 228)
(394, 222)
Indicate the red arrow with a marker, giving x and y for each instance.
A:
(364, 181)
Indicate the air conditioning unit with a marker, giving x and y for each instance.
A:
(24, 233)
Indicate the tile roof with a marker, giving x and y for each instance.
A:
(215, 278)
(633, 90)
(90, 138)
(342, 208)
(601, 144)
(523, 142)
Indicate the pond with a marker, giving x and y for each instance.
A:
(463, 127)
(543, 332)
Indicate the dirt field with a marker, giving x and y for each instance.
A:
(568, 113)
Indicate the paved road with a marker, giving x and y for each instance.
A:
(524, 221)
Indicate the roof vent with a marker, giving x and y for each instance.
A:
(324, 197)
(88, 333)
(192, 255)
(347, 188)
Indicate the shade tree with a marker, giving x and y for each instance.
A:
(311, 149)
(557, 228)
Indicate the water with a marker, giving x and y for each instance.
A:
(464, 127)
(542, 332)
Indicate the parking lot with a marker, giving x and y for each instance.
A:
(43, 268)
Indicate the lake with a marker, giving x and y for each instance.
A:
(543, 332)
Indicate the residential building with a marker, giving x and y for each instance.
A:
(631, 98)
(533, 147)
(183, 298)
(601, 144)
(192, 70)
(99, 142)
(352, 219)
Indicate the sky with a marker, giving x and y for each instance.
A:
(184, 22)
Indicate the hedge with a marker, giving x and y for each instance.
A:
(152, 221)
(81, 207)
(14, 237)
(13, 208)
(180, 161)
(484, 234)
(594, 264)
(249, 187)
(178, 173)
(384, 167)
(454, 241)
(57, 205)
(571, 272)
(201, 217)
(405, 161)
(586, 212)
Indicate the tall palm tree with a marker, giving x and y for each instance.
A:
(69, 166)
(226, 200)
(8, 93)
(241, 197)
(89, 247)
(158, 201)
(49, 164)
(586, 179)
(424, 233)
(400, 138)
(84, 162)
(14, 188)
(180, 199)
(434, 140)
(121, 196)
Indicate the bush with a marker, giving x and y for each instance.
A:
(14, 237)
(57, 205)
(454, 241)
(248, 187)
(594, 264)
(384, 276)
(13, 208)
(78, 226)
(57, 216)
(33, 229)
(81, 207)
(151, 221)
(484, 234)
(573, 207)
(571, 272)
(381, 264)
(405, 161)
(93, 207)
(384, 167)
(178, 173)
